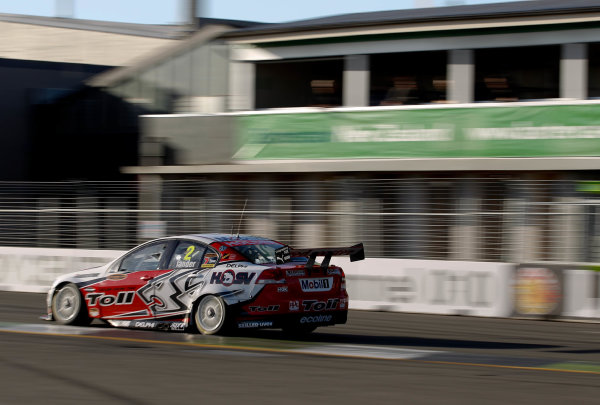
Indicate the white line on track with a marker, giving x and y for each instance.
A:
(378, 352)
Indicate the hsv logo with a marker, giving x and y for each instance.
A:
(316, 284)
(229, 277)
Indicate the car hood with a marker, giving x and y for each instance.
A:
(81, 275)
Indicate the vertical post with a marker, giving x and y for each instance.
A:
(260, 221)
(356, 81)
(218, 199)
(567, 220)
(150, 223)
(574, 71)
(309, 226)
(344, 208)
(242, 83)
(464, 235)
(461, 76)
(411, 223)
(87, 222)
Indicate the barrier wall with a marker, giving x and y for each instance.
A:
(430, 286)
(530, 290)
(34, 269)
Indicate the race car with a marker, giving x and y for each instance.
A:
(210, 283)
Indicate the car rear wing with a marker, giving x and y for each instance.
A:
(356, 252)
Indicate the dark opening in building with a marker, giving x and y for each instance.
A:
(299, 83)
(594, 70)
(408, 78)
(512, 74)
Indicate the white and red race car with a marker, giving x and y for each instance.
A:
(211, 281)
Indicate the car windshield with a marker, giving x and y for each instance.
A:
(262, 253)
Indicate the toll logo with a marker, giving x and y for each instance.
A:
(314, 305)
(105, 300)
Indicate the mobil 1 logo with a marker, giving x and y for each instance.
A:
(316, 284)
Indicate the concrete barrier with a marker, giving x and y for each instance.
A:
(34, 269)
(430, 286)
(534, 290)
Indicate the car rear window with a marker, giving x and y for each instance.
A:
(259, 253)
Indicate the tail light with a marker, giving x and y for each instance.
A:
(343, 284)
(271, 276)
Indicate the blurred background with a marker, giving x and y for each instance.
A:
(442, 130)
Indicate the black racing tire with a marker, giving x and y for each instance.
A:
(68, 306)
(211, 315)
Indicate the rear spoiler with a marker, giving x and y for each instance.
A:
(356, 253)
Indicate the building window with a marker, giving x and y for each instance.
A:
(408, 78)
(513, 74)
(299, 83)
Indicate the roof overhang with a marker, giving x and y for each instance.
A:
(409, 27)
(377, 165)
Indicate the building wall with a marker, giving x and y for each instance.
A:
(54, 44)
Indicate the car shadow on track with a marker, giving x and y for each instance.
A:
(393, 341)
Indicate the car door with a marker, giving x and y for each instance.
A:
(121, 294)
(173, 292)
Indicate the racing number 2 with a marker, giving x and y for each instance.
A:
(188, 252)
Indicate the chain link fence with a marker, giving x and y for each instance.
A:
(498, 219)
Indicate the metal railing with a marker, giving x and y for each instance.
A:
(499, 219)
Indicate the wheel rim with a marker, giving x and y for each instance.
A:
(210, 314)
(67, 304)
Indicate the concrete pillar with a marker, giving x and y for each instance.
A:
(284, 220)
(309, 217)
(242, 85)
(523, 227)
(260, 221)
(410, 223)
(192, 207)
(370, 226)
(217, 201)
(150, 224)
(356, 81)
(116, 224)
(87, 222)
(465, 235)
(567, 224)
(461, 76)
(48, 228)
(574, 71)
(344, 210)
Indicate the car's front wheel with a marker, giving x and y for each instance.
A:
(210, 316)
(68, 307)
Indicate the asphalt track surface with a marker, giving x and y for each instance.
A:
(377, 358)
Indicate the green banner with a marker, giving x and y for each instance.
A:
(494, 131)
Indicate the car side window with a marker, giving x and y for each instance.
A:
(187, 255)
(146, 258)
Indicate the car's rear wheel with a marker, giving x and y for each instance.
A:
(68, 307)
(211, 315)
